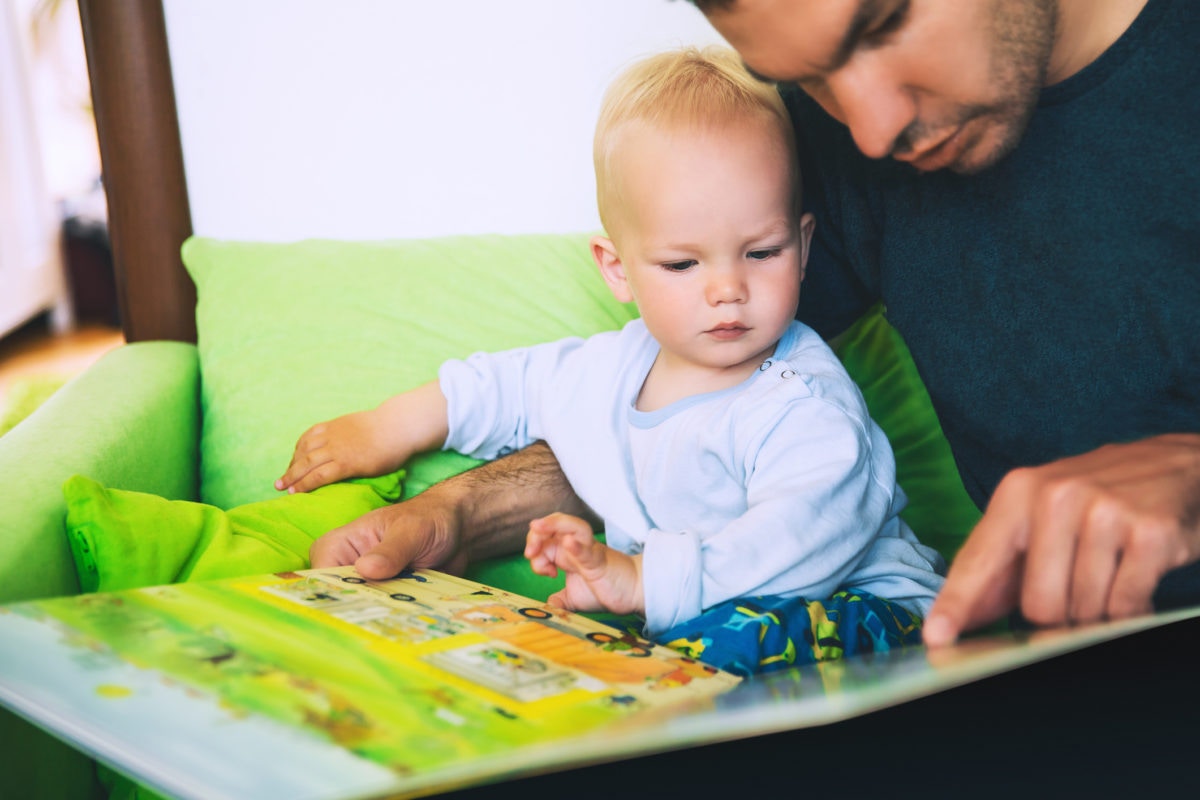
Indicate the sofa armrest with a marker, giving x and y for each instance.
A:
(131, 421)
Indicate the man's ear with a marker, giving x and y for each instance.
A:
(807, 224)
(611, 269)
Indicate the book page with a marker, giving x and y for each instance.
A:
(320, 684)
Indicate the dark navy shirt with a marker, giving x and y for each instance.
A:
(1052, 302)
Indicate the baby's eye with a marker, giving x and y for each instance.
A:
(763, 255)
(679, 266)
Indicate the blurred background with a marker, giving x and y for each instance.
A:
(58, 306)
(361, 119)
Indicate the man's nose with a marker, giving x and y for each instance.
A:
(872, 104)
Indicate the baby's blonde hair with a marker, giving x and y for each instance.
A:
(689, 87)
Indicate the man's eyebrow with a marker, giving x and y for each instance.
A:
(864, 15)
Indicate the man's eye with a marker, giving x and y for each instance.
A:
(679, 266)
(890, 24)
(763, 255)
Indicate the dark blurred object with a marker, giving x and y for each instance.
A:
(88, 256)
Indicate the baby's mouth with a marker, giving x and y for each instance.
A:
(727, 330)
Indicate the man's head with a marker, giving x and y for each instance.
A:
(939, 83)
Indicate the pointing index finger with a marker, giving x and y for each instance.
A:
(984, 579)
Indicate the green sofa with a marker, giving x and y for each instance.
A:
(290, 334)
(132, 421)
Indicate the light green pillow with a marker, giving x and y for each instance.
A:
(124, 540)
(295, 333)
(939, 510)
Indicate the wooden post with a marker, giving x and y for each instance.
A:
(142, 164)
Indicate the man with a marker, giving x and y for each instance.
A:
(1015, 179)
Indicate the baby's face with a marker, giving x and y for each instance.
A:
(708, 239)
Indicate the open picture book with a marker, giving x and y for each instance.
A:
(320, 684)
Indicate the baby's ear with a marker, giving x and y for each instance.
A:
(611, 269)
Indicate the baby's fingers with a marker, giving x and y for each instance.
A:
(304, 457)
(302, 464)
(311, 472)
(539, 550)
(570, 554)
(288, 479)
(320, 475)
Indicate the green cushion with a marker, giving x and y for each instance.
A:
(124, 540)
(939, 510)
(295, 333)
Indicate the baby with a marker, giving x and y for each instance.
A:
(731, 458)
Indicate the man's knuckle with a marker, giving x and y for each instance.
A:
(1016, 481)
(1150, 534)
(1102, 514)
(1061, 492)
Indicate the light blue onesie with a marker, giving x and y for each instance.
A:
(781, 485)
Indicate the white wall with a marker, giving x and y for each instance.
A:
(31, 270)
(384, 119)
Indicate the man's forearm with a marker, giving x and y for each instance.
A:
(497, 500)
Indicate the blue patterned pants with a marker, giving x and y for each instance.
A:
(760, 634)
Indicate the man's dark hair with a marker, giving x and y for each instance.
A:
(713, 5)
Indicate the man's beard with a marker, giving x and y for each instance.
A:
(1022, 35)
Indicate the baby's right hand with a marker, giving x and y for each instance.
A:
(344, 447)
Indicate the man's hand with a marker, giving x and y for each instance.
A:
(599, 578)
(422, 532)
(480, 513)
(1077, 540)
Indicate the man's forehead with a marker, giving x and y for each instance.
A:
(779, 37)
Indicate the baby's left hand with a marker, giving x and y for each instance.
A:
(599, 578)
